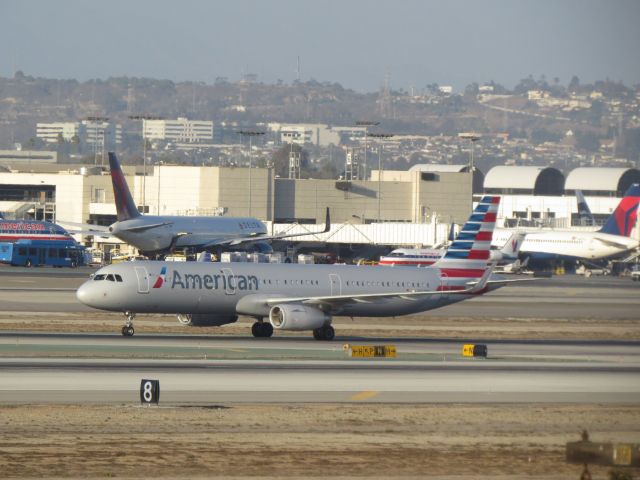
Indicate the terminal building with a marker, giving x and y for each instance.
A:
(543, 196)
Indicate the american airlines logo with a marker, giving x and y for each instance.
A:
(161, 278)
(195, 281)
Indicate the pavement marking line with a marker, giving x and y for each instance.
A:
(359, 397)
(238, 350)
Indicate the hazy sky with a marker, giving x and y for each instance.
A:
(355, 43)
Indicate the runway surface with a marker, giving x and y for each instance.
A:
(108, 369)
(203, 369)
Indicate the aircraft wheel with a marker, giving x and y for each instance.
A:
(262, 330)
(324, 333)
(255, 329)
(329, 333)
(267, 330)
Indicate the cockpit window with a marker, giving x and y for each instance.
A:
(118, 278)
(99, 277)
(111, 278)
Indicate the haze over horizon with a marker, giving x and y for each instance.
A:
(356, 43)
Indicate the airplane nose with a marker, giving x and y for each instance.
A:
(83, 294)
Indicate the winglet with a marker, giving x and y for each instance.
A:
(125, 206)
(327, 222)
(482, 283)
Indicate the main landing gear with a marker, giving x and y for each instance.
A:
(127, 329)
(324, 333)
(262, 329)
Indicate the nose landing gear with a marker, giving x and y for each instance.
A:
(127, 329)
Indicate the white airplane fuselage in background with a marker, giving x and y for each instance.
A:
(151, 233)
(568, 244)
(613, 239)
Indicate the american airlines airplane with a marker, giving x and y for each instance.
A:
(295, 296)
(155, 235)
(613, 239)
(14, 230)
(423, 257)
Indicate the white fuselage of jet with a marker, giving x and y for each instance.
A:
(150, 233)
(568, 244)
(252, 289)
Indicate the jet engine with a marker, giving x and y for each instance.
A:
(297, 317)
(205, 319)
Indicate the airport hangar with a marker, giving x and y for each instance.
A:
(393, 208)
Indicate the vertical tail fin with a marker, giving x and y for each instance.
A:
(125, 207)
(623, 218)
(586, 217)
(467, 257)
(511, 249)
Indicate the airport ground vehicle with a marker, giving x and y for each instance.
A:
(635, 273)
(31, 253)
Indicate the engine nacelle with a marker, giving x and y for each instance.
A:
(297, 317)
(205, 319)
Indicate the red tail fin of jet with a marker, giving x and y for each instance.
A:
(125, 206)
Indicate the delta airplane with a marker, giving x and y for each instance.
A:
(14, 230)
(297, 296)
(611, 240)
(423, 257)
(156, 235)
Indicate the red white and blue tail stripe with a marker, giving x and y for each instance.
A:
(468, 256)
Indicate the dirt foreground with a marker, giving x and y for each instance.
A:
(423, 326)
(302, 441)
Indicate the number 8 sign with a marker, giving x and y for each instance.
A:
(149, 391)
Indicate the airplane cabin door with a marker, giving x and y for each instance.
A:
(336, 284)
(143, 279)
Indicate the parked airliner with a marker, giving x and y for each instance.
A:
(611, 240)
(155, 235)
(423, 257)
(14, 230)
(296, 296)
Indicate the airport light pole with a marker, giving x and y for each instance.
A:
(472, 137)
(381, 136)
(250, 134)
(144, 118)
(366, 124)
(101, 130)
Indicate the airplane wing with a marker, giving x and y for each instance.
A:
(611, 243)
(144, 228)
(85, 229)
(81, 227)
(506, 281)
(266, 238)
